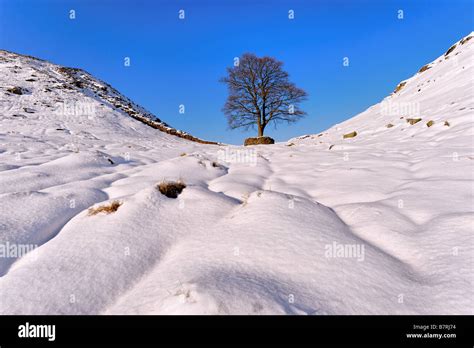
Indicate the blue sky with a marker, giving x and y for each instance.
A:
(177, 61)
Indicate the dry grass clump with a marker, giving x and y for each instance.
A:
(171, 189)
(109, 208)
(389, 125)
(446, 123)
(429, 123)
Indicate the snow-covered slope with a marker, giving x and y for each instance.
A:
(36, 90)
(441, 91)
(380, 223)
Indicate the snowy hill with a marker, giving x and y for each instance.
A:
(37, 90)
(380, 223)
(441, 92)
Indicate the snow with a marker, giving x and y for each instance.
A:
(381, 223)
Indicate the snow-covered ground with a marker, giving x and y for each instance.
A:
(381, 223)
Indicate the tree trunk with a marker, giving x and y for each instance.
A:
(261, 123)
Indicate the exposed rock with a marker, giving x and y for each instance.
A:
(412, 121)
(429, 123)
(78, 84)
(424, 68)
(399, 87)
(466, 39)
(259, 141)
(450, 50)
(16, 90)
(350, 135)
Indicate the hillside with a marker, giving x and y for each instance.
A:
(441, 92)
(35, 89)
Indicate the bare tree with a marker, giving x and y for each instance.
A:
(260, 93)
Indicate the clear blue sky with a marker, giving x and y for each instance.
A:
(177, 61)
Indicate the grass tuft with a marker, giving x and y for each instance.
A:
(171, 189)
(109, 208)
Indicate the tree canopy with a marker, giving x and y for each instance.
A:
(260, 93)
